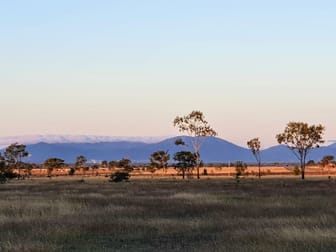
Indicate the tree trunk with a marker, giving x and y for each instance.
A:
(197, 165)
(303, 164)
(259, 170)
(302, 170)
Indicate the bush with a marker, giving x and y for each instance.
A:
(119, 176)
(3, 179)
(7, 175)
(240, 168)
(72, 171)
(296, 170)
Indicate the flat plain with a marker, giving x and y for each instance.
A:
(214, 214)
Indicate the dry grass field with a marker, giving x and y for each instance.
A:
(211, 171)
(213, 214)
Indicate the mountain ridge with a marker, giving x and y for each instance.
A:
(214, 150)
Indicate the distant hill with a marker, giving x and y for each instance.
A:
(214, 150)
(33, 139)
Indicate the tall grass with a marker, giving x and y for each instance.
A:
(159, 215)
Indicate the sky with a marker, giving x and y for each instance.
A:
(129, 67)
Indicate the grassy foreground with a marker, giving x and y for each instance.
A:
(161, 215)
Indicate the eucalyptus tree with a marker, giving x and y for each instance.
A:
(104, 163)
(125, 163)
(185, 162)
(81, 163)
(301, 138)
(113, 164)
(14, 155)
(254, 145)
(53, 163)
(159, 160)
(195, 125)
(326, 161)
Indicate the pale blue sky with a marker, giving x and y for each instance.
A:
(129, 67)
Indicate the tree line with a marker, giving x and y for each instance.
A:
(299, 137)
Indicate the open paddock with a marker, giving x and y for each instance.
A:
(207, 171)
(214, 214)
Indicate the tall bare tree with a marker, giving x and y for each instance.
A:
(254, 145)
(195, 125)
(301, 138)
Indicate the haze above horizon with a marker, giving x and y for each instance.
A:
(127, 68)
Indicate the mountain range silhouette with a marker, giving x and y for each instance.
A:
(214, 150)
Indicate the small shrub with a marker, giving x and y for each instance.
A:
(7, 175)
(296, 170)
(72, 171)
(119, 176)
(240, 170)
(3, 179)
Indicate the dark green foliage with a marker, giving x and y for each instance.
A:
(301, 138)
(113, 164)
(240, 169)
(296, 170)
(72, 171)
(311, 163)
(186, 162)
(179, 141)
(119, 176)
(81, 163)
(126, 164)
(53, 163)
(327, 160)
(195, 125)
(6, 171)
(104, 163)
(254, 145)
(94, 168)
(3, 179)
(159, 160)
(14, 155)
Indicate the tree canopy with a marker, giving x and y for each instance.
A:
(254, 145)
(195, 125)
(301, 138)
(80, 162)
(159, 159)
(53, 163)
(186, 161)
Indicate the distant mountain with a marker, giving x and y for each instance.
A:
(214, 150)
(33, 139)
